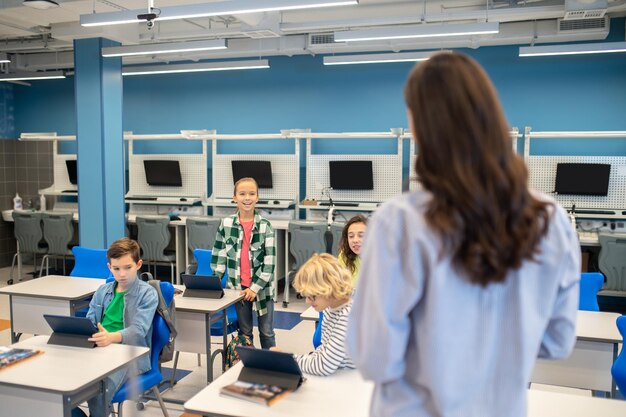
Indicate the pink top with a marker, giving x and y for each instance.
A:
(244, 266)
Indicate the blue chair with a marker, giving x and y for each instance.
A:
(149, 380)
(590, 284)
(90, 263)
(618, 370)
(317, 336)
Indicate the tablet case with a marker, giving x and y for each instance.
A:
(269, 367)
(70, 331)
(202, 286)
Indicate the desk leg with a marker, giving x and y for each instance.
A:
(613, 386)
(286, 291)
(14, 337)
(209, 356)
(224, 341)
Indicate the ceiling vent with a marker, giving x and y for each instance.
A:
(321, 38)
(261, 34)
(584, 25)
(585, 9)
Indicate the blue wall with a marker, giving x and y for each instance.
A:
(7, 111)
(547, 93)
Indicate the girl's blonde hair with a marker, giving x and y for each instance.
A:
(245, 179)
(323, 275)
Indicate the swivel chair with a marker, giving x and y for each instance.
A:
(58, 233)
(590, 284)
(29, 235)
(153, 236)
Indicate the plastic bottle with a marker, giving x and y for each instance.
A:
(42, 202)
(17, 202)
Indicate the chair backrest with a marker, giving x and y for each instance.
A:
(306, 238)
(203, 258)
(590, 284)
(90, 263)
(27, 230)
(58, 232)
(613, 261)
(618, 370)
(201, 232)
(336, 229)
(153, 236)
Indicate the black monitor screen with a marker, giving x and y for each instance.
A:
(72, 171)
(582, 179)
(165, 173)
(351, 175)
(261, 171)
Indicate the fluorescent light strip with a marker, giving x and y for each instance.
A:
(164, 48)
(573, 49)
(209, 9)
(200, 67)
(378, 58)
(23, 76)
(418, 31)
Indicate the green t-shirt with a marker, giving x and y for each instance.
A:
(113, 320)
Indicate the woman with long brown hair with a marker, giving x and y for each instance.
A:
(351, 243)
(463, 285)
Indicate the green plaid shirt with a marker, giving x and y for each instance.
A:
(262, 251)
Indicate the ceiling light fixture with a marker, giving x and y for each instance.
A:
(23, 76)
(222, 8)
(164, 48)
(378, 58)
(40, 4)
(199, 67)
(573, 49)
(418, 31)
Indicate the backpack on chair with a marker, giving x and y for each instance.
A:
(168, 314)
(232, 357)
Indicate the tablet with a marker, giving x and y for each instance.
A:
(269, 367)
(202, 286)
(70, 331)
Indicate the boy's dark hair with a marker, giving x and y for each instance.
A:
(124, 246)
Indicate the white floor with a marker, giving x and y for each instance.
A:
(297, 340)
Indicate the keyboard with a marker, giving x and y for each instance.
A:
(263, 201)
(582, 211)
(325, 203)
(141, 198)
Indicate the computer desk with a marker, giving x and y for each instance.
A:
(589, 365)
(52, 294)
(51, 384)
(194, 317)
(345, 393)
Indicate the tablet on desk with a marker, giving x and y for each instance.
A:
(261, 366)
(70, 331)
(202, 286)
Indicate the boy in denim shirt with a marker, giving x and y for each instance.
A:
(123, 311)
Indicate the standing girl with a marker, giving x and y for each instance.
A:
(245, 244)
(350, 244)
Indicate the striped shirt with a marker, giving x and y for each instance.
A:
(262, 254)
(332, 353)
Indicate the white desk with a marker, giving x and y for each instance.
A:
(52, 294)
(556, 404)
(194, 317)
(342, 394)
(310, 314)
(589, 365)
(52, 383)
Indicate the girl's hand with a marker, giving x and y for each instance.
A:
(248, 294)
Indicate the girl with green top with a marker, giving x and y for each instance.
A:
(350, 244)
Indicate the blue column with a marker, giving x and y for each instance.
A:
(98, 91)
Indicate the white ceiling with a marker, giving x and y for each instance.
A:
(42, 39)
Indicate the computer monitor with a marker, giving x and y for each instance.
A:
(72, 171)
(261, 171)
(351, 175)
(582, 179)
(163, 173)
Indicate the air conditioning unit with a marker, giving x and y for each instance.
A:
(585, 9)
(322, 39)
(600, 25)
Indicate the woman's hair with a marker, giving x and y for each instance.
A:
(123, 247)
(245, 179)
(323, 275)
(481, 205)
(344, 246)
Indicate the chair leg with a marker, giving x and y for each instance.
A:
(157, 394)
(172, 272)
(43, 261)
(199, 360)
(10, 281)
(173, 376)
